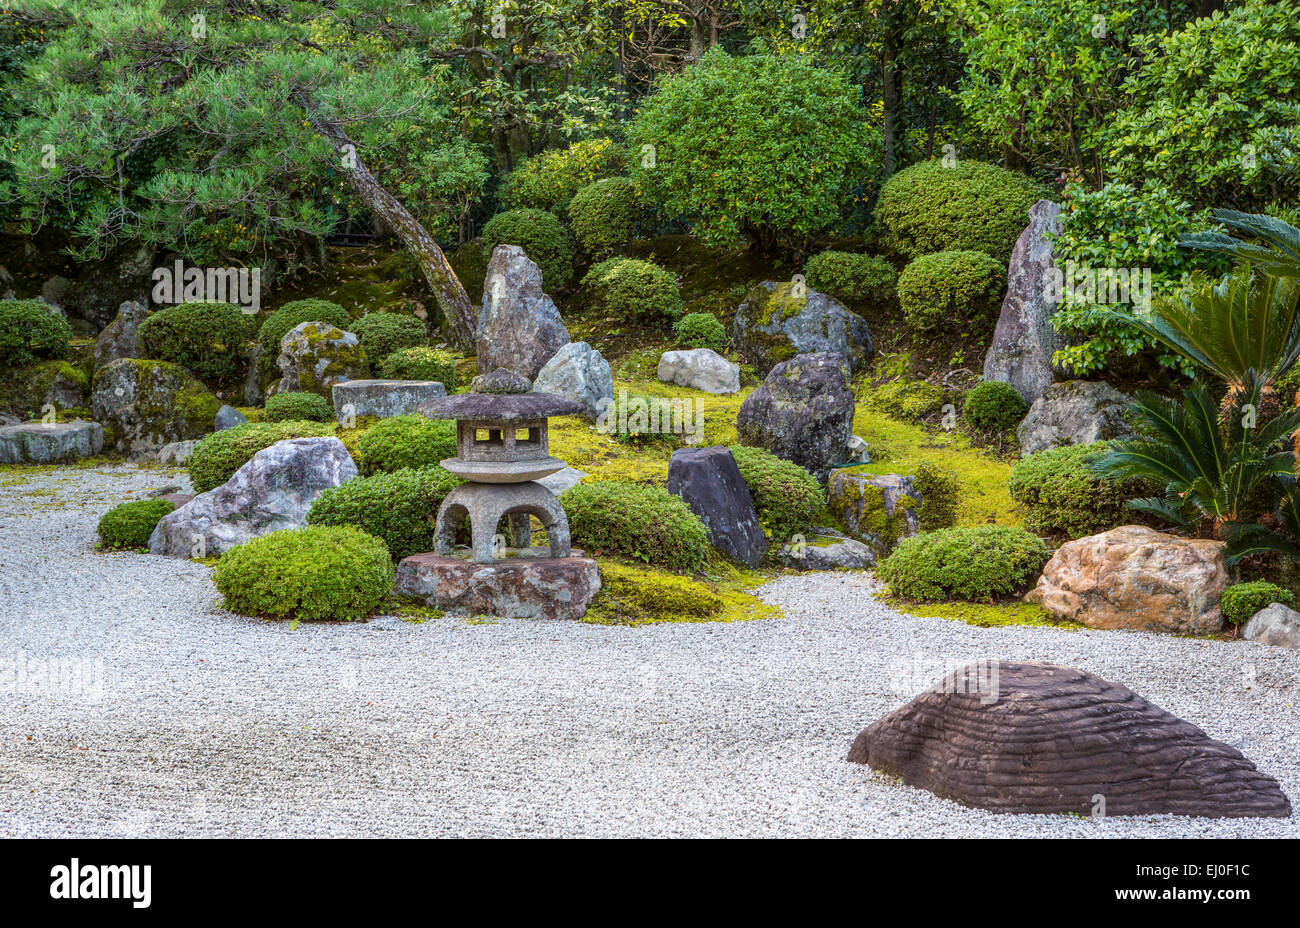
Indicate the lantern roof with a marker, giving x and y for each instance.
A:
(496, 407)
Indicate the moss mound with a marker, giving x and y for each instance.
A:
(975, 564)
(636, 521)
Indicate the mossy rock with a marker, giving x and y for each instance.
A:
(879, 511)
(150, 404)
(314, 356)
(781, 319)
(26, 392)
(640, 596)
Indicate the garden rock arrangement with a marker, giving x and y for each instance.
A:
(315, 356)
(878, 510)
(1276, 625)
(774, 323)
(1038, 738)
(150, 404)
(845, 554)
(27, 392)
(383, 398)
(525, 588)
(700, 369)
(49, 442)
(710, 483)
(1136, 577)
(803, 412)
(1076, 412)
(227, 418)
(121, 338)
(580, 373)
(519, 327)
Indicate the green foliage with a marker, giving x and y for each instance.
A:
(760, 146)
(641, 596)
(549, 180)
(295, 313)
(1241, 601)
(130, 524)
(298, 405)
(31, 330)
(383, 333)
(994, 406)
(397, 507)
(968, 206)
(701, 330)
(858, 279)
(906, 399)
(422, 363)
(320, 572)
(634, 290)
(205, 337)
(789, 500)
(939, 490)
(939, 289)
(217, 456)
(603, 215)
(640, 522)
(542, 237)
(975, 564)
(1061, 494)
(406, 441)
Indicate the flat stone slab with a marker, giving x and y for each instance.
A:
(384, 398)
(516, 587)
(50, 443)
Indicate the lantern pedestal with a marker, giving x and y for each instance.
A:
(522, 587)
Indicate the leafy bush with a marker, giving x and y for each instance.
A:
(396, 507)
(636, 521)
(1061, 495)
(314, 573)
(31, 330)
(550, 179)
(542, 238)
(970, 206)
(1241, 601)
(422, 363)
(701, 330)
(635, 290)
(939, 491)
(974, 564)
(788, 498)
(206, 338)
(295, 313)
(994, 406)
(863, 279)
(406, 441)
(130, 524)
(297, 404)
(937, 290)
(217, 456)
(383, 333)
(603, 215)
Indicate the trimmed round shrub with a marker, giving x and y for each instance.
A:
(603, 215)
(970, 205)
(701, 330)
(319, 572)
(1060, 495)
(406, 441)
(634, 290)
(206, 338)
(636, 521)
(422, 363)
(938, 289)
(940, 493)
(298, 404)
(30, 331)
(542, 237)
(130, 524)
(994, 406)
(397, 507)
(787, 497)
(217, 456)
(383, 333)
(856, 278)
(550, 179)
(1241, 601)
(972, 564)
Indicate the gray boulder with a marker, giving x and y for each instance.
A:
(273, 491)
(1024, 340)
(254, 394)
(774, 325)
(879, 510)
(700, 369)
(519, 327)
(50, 443)
(709, 481)
(124, 275)
(228, 417)
(314, 356)
(577, 372)
(1276, 625)
(803, 412)
(1076, 412)
(846, 554)
(177, 453)
(151, 404)
(383, 398)
(562, 480)
(121, 337)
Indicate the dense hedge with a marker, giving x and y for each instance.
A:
(945, 288)
(396, 507)
(298, 404)
(293, 314)
(30, 331)
(318, 572)
(130, 524)
(206, 338)
(542, 237)
(383, 333)
(406, 441)
(974, 564)
(1241, 601)
(637, 521)
(788, 498)
(994, 406)
(701, 330)
(422, 363)
(550, 179)
(1061, 496)
(217, 456)
(634, 290)
(865, 279)
(603, 215)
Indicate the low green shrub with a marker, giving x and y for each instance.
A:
(319, 572)
(940, 494)
(31, 331)
(550, 179)
(865, 279)
(634, 290)
(603, 215)
(636, 521)
(297, 404)
(206, 338)
(295, 313)
(383, 333)
(789, 500)
(406, 441)
(1240, 601)
(217, 456)
(130, 524)
(994, 406)
(1061, 496)
(701, 330)
(396, 507)
(422, 363)
(542, 237)
(947, 287)
(973, 564)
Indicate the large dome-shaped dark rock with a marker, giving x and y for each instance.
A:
(1037, 738)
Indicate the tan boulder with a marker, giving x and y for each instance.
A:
(1136, 577)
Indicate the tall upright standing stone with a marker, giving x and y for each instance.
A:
(519, 327)
(709, 481)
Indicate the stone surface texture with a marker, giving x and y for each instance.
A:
(1275, 625)
(49, 443)
(121, 337)
(577, 372)
(151, 404)
(775, 323)
(846, 554)
(878, 510)
(383, 398)
(700, 369)
(519, 327)
(519, 587)
(228, 417)
(803, 412)
(709, 481)
(1074, 412)
(315, 356)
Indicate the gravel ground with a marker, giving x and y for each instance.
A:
(179, 719)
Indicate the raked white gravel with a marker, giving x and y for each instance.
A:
(186, 720)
